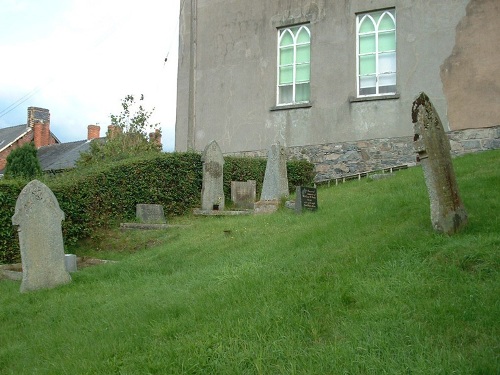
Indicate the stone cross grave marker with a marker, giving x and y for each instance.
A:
(448, 215)
(275, 184)
(38, 217)
(306, 198)
(212, 192)
(150, 213)
(243, 194)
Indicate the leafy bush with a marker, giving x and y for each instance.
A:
(23, 163)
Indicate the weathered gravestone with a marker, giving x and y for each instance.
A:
(306, 198)
(243, 194)
(448, 214)
(212, 192)
(150, 213)
(38, 217)
(275, 184)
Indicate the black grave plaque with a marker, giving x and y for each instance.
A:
(306, 198)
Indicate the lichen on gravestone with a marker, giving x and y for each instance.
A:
(212, 192)
(448, 214)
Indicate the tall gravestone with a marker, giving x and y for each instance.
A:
(448, 215)
(38, 217)
(212, 192)
(275, 184)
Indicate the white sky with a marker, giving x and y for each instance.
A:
(80, 58)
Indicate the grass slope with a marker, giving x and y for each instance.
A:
(363, 286)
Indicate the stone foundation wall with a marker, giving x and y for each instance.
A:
(334, 160)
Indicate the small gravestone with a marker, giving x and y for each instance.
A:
(243, 194)
(212, 192)
(275, 184)
(448, 214)
(150, 213)
(306, 198)
(38, 218)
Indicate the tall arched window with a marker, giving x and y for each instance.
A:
(294, 65)
(376, 35)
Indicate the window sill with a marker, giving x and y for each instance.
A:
(291, 106)
(353, 99)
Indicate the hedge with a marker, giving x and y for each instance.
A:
(104, 196)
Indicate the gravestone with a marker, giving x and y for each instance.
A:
(275, 184)
(212, 192)
(38, 218)
(150, 213)
(306, 198)
(243, 194)
(448, 215)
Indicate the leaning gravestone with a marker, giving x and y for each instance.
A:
(448, 214)
(212, 192)
(306, 198)
(275, 184)
(243, 194)
(38, 217)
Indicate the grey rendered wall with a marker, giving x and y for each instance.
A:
(232, 93)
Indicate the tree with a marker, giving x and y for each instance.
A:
(130, 135)
(22, 162)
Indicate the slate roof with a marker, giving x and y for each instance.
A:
(11, 134)
(63, 155)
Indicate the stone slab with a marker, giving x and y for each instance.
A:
(150, 213)
(38, 220)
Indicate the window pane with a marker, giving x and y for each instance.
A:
(367, 81)
(367, 64)
(287, 39)
(387, 42)
(286, 75)
(387, 80)
(285, 94)
(286, 56)
(366, 25)
(303, 54)
(302, 92)
(303, 73)
(367, 43)
(303, 36)
(386, 23)
(387, 62)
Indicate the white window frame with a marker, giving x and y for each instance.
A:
(359, 19)
(281, 32)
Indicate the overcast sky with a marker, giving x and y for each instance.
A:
(80, 58)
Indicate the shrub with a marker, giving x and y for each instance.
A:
(23, 163)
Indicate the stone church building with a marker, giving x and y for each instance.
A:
(334, 81)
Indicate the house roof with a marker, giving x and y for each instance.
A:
(61, 156)
(11, 134)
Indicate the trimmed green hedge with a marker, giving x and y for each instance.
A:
(98, 197)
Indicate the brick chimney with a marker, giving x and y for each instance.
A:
(93, 132)
(113, 130)
(41, 134)
(39, 121)
(156, 137)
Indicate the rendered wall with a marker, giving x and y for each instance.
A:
(227, 72)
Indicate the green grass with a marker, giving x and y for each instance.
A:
(362, 286)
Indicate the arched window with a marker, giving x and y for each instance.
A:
(294, 65)
(376, 65)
